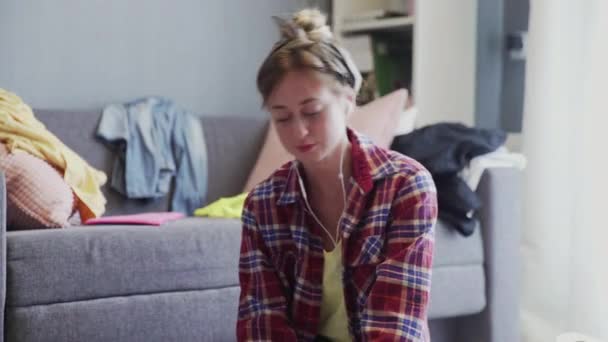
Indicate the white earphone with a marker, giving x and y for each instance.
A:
(335, 239)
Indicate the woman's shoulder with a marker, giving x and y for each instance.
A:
(383, 163)
(380, 157)
(272, 186)
(410, 171)
(405, 164)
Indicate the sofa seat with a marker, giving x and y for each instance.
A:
(458, 284)
(192, 254)
(82, 263)
(173, 316)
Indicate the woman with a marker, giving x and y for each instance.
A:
(337, 244)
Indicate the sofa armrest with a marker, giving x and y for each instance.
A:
(2, 253)
(500, 218)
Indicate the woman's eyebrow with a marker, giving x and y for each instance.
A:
(303, 102)
(310, 99)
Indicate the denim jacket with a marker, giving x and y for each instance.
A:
(156, 140)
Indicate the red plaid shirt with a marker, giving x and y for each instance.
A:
(387, 231)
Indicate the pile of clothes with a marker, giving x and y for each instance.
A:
(456, 155)
(21, 132)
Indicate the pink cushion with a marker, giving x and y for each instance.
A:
(37, 195)
(153, 219)
(271, 157)
(377, 120)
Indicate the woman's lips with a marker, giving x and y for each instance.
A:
(305, 148)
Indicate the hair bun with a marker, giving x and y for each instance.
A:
(309, 19)
(314, 23)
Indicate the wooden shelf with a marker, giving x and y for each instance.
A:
(396, 23)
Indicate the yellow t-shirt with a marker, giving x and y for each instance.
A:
(334, 320)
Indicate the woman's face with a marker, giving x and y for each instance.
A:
(310, 114)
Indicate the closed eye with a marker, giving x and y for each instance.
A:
(282, 120)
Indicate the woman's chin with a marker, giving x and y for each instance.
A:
(308, 157)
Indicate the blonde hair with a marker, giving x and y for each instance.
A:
(306, 43)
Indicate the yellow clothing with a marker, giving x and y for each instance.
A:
(20, 130)
(334, 320)
(226, 207)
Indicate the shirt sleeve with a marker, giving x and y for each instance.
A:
(262, 305)
(396, 309)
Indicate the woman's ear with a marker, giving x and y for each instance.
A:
(351, 99)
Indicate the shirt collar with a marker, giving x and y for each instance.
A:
(369, 164)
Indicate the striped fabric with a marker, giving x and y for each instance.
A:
(387, 231)
(37, 196)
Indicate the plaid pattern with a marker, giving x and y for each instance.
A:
(388, 236)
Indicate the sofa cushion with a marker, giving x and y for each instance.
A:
(458, 280)
(37, 196)
(208, 315)
(233, 144)
(80, 263)
(378, 119)
(452, 248)
(457, 290)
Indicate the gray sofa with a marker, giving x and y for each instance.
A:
(179, 282)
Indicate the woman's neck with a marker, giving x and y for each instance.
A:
(322, 179)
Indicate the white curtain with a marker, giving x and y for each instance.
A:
(565, 138)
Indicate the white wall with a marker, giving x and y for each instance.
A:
(444, 61)
(77, 54)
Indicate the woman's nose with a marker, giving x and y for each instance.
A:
(300, 127)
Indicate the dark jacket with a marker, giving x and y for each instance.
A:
(445, 149)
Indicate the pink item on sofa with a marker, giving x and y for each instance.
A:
(37, 196)
(154, 219)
